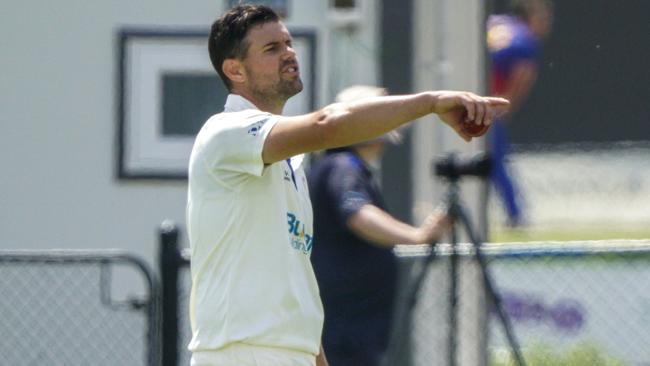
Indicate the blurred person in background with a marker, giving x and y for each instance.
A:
(254, 297)
(355, 266)
(513, 42)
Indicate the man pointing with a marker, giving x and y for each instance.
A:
(254, 298)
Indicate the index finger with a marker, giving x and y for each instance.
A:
(498, 101)
(499, 106)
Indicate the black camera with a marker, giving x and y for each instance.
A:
(453, 166)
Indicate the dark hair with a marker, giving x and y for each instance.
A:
(228, 32)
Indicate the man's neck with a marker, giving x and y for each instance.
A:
(265, 105)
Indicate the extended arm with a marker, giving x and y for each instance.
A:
(343, 124)
(379, 227)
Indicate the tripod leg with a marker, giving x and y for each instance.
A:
(489, 288)
(453, 297)
(400, 337)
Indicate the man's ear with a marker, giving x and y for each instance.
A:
(234, 70)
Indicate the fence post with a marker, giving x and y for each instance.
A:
(169, 263)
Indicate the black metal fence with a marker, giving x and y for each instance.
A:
(174, 273)
(64, 308)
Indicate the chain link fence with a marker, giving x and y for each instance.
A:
(569, 303)
(60, 308)
(575, 303)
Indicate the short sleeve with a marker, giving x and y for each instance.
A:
(349, 188)
(234, 142)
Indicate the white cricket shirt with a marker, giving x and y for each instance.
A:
(250, 232)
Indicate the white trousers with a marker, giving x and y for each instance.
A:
(246, 355)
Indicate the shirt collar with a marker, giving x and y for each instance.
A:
(236, 103)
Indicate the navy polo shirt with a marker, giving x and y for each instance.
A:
(357, 279)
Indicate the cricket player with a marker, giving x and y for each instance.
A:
(514, 45)
(254, 297)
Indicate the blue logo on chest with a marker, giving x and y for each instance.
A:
(300, 240)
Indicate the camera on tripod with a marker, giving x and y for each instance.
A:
(453, 166)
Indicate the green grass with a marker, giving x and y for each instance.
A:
(581, 355)
(504, 235)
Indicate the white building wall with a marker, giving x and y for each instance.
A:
(58, 101)
(59, 106)
(352, 49)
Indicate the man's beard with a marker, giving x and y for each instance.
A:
(281, 91)
(278, 92)
(289, 88)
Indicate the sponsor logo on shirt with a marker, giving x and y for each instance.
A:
(257, 127)
(300, 240)
(287, 176)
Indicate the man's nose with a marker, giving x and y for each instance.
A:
(289, 52)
